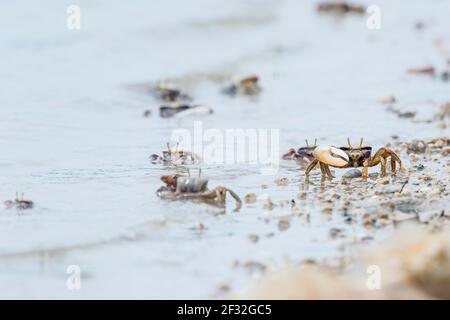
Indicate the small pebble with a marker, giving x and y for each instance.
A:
(281, 181)
(387, 100)
(301, 195)
(353, 173)
(283, 224)
(250, 198)
(336, 232)
(416, 146)
(383, 181)
(327, 210)
(253, 238)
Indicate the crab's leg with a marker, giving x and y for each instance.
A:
(211, 194)
(384, 153)
(220, 198)
(395, 158)
(392, 164)
(322, 169)
(383, 166)
(365, 169)
(328, 172)
(311, 166)
(236, 197)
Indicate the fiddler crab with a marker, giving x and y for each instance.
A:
(174, 157)
(302, 155)
(246, 86)
(18, 203)
(194, 188)
(168, 92)
(348, 157)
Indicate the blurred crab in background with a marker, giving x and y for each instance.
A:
(194, 188)
(246, 86)
(303, 155)
(347, 157)
(18, 203)
(175, 157)
(340, 7)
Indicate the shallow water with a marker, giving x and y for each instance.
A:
(75, 142)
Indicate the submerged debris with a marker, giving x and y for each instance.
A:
(168, 92)
(252, 267)
(169, 111)
(388, 100)
(416, 146)
(430, 70)
(336, 233)
(422, 70)
(283, 223)
(402, 114)
(253, 238)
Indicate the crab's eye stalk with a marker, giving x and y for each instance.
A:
(154, 158)
(331, 156)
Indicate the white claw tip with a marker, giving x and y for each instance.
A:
(331, 156)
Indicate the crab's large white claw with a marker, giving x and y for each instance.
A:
(331, 156)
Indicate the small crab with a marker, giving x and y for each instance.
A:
(189, 188)
(347, 157)
(18, 203)
(302, 154)
(247, 86)
(168, 92)
(174, 157)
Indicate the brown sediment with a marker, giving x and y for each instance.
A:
(421, 70)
